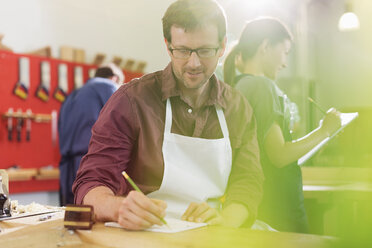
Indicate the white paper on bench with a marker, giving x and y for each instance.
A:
(175, 225)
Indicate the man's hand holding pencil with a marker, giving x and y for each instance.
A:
(138, 212)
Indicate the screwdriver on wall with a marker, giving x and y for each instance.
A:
(10, 124)
(28, 125)
(19, 125)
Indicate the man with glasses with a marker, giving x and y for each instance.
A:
(186, 139)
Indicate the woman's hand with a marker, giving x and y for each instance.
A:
(234, 215)
(331, 122)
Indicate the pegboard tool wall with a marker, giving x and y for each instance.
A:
(40, 150)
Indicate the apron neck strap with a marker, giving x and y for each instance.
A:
(168, 117)
(220, 115)
(222, 120)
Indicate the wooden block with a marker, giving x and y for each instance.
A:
(44, 51)
(117, 61)
(79, 217)
(98, 60)
(79, 55)
(140, 66)
(66, 53)
(129, 65)
(21, 174)
(48, 173)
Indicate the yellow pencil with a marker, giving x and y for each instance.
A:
(317, 105)
(125, 175)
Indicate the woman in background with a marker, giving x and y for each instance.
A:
(259, 55)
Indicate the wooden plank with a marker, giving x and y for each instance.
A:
(98, 60)
(52, 234)
(67, 53)
(117, 60)
(79, 55)
(44, 51)
(47, 174)
(47, 234)
(21, 174)
(212, 237)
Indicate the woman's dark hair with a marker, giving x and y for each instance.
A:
(254, 33)
(191, 14)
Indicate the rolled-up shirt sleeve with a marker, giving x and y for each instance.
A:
(246, 177)
(110, 148)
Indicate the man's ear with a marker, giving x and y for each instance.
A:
(167, 45)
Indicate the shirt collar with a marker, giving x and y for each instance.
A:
(169, 88)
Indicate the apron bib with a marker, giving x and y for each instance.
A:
(195, 169)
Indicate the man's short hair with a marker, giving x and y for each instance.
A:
(191, 14)
(104, 72)
(110, 70)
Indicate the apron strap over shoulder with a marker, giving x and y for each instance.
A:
(220, 115)
(222, 120)
(168, 117)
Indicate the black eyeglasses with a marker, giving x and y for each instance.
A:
(185, 53)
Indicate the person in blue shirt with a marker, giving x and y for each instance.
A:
(77, 115)
(259, 55)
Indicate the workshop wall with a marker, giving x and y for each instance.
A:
(42, 148)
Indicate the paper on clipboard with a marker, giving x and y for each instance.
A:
(175, 226)
(346, 119)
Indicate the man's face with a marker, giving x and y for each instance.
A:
(194, 72)
(276, 58)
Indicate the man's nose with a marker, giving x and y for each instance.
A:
(194, 60)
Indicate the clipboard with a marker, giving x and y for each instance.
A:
(346, 119)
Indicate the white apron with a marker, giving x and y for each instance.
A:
(195, 169)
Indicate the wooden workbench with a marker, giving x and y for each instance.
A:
(52, 234)
(338, 201)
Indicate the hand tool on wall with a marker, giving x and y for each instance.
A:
(19, 125)
(61, 91)
(22, 86)
(42, 91)
(10, 123)
(78, 77)
(28, 124)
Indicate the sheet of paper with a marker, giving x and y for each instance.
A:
(346, 119)
(175, 226)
